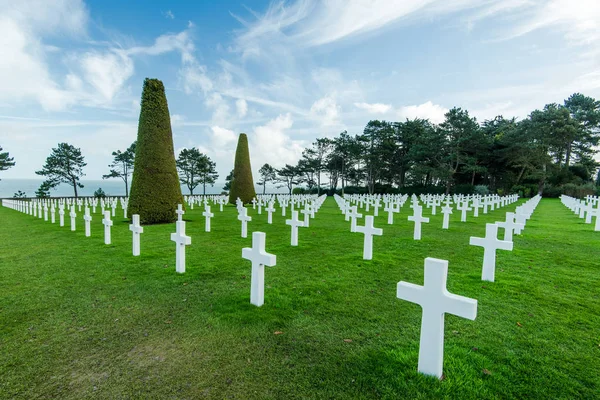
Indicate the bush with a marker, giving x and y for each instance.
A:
(99, 194)
(242, 185)
(464, 188)
(481, 190)
(552, 191)
(19, 195)
(298, 190)
(155, 191)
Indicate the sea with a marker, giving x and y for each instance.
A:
(112, 187)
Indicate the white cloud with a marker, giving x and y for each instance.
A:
(169, 15)
(428, 110)
(326, 110)
(375, 108)
(270, 143)
(222, 137)
(107, 72)
(219, 106)
(241, 107)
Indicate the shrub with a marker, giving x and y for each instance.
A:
(481, 189)
(155, 191)
(242, 185)
(99, 194)
(464, 188)
(19, 195)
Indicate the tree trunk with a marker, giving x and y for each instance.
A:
(204, 188)
(542, 181)
(520, 175)
(568, 155)
(473, 179)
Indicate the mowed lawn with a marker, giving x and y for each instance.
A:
(79, 319)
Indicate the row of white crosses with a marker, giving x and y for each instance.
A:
(436, 301)
(585, 209)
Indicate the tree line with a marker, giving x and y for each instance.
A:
(65, 165)
(552, 151)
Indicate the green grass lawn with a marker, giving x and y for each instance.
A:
(79, 319)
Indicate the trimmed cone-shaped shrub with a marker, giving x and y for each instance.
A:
(242, 185)
(155, 191)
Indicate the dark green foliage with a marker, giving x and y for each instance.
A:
(122, 166)
(267, 174)
(19, 195)
(196, 168)
(242, 185)
(289, 176)
(44, 190)
(155, 190)
(99, 194)
(64, 165)
(228, 180)
(6, 162)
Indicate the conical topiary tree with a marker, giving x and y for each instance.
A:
(242, 184)
(155, 191)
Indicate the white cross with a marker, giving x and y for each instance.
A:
(463, 207)
(45, 212)
(368, 230)
(243, 216)
(417, 218)
(509, 226)
(52, 214)
(136, 230)
(73, 216)
(270, 210)
(87, 218)
(61, 214)
(294, 223)
(436, 301)
(446, 210)
(181, 240)
(180, 212)
(259, 258)
(490, 244)
(306, 213)
(354, 215)
(107, 224)
(208, 215)
(114, 207)
(389, 208)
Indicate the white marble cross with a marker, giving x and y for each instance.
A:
(509, 226)
(73, 216)
(306, 213)
(180, 212)
(208, 215)
(107, 224)
(181, 240)
(354, 215)
(259, 258)
(294, 223)
(389, 208)
(113, 206)
(61, 215)
(446, 210)
(52, 214)
(463, 207)
(136, 230)
(46, 212)
(417, 218)
(243, 216)
(270, 210)
(87, 218)
(368, 230)
(435, 301)
(490, 244)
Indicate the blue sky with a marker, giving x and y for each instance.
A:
(285, 73)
